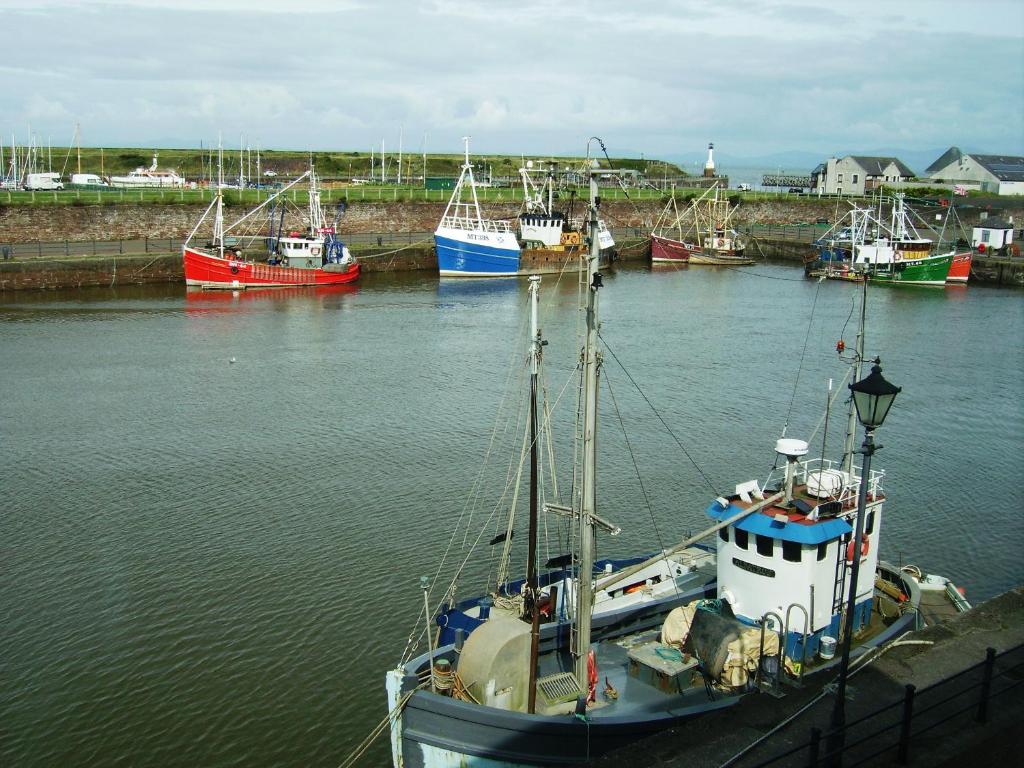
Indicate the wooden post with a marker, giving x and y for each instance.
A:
(903, 753)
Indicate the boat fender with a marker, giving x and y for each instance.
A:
(234, 270)
(840, 346)
(592, 675)
(865, 547)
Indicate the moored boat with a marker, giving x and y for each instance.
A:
(960, 268)
(149, 177)
(467, 244)
(311, 257)
(789, 557)
(672, 242)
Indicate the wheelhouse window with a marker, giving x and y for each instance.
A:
(791, 551)
(869, 524)
(765, 545)
(742, 539)
(822, 550)
(723, 534)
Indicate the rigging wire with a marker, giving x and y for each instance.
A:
(803, 353)
(636, 469)
(656, 413)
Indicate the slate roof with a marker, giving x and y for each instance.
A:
(993, 224)
(875, 166)
(950, 155)
(1003, 167)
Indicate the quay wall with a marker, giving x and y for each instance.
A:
(128, 221)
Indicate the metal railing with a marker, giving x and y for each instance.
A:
(895, 726)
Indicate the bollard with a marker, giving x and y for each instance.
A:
(986, 685)
(903, 753)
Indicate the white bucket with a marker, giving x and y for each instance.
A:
(827, 647)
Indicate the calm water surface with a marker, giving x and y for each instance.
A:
(209, 562)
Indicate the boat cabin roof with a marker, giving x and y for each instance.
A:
(805, 519)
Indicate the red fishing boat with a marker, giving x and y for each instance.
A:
(669, 244)
(311, 257)
(665, 250)
(960, 269)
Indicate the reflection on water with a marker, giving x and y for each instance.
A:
(211, 562)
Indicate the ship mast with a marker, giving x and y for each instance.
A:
(531, 563)
(588, 510)
(858, 348)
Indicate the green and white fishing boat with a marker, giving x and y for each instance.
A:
(898, 254)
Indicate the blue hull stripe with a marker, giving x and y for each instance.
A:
(471, 258)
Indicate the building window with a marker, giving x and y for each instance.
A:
(822, 550)
(984, 235)
(723, 534)
(840, 178)
(791, 551)
(742, 539)
(765, 545)
(855, 177)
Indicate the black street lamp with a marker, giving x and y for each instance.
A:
(873, 396)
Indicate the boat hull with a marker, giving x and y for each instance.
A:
(931, 271)
(665, 250)
(721, 259)
(472, 254)
(960, 269)
(206, 270)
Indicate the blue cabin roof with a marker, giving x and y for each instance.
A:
(814, 533)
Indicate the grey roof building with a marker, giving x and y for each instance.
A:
(1002, 174)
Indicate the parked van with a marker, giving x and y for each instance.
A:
(87, 180)
(43, 181)
(743, 187)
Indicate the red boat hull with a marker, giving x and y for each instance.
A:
(666, 250)
(211, 271)
(960, 269)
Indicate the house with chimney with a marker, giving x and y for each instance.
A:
(858, 175)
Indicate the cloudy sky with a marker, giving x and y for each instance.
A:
(656, 76)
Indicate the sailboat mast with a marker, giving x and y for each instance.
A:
(531, 561)
(591, 365)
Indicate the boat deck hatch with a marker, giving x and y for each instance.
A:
(559, 688)
(661, 666)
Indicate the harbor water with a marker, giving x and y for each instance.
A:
(217, 507)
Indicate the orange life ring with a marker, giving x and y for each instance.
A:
(865, 547)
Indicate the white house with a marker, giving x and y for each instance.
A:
(858, 175)
(993, 234)
(1001, 174)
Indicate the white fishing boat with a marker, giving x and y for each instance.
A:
(795, 567)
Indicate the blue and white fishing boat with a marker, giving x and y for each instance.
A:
(467, 244)
(790, 553)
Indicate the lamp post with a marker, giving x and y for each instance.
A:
(873, 396)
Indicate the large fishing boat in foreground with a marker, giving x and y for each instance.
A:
(311, 257)
(791, 555)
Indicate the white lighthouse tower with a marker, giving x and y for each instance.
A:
(709, 166)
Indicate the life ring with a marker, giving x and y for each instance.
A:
(898, 257)
(314, 251)
(865, 547)
(234, 270)
(720, 243)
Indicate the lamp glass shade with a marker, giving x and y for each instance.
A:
(873, 397)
